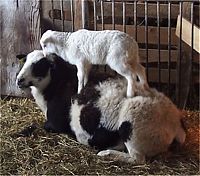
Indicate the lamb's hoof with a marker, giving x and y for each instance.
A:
(130, 95)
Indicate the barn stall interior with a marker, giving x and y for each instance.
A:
(168, 36)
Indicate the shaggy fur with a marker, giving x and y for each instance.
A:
(145, 125)
(83, 48)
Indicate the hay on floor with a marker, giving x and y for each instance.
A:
(46, 153)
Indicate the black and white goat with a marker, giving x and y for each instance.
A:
(101, 116)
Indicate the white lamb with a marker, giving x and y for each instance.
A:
(83, 48)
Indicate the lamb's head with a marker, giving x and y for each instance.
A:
(35, 70)
(52, 42)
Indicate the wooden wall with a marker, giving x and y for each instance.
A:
(20, 33)
(23, 21)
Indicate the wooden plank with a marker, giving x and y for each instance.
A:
(56, 14)
(20, 33)
(78, 15)
(51, 19)
(152, 33)
(153, 55)
(154, 72)
(187, 33)
(152, 10)
(196, 58)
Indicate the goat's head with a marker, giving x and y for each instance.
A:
(35, 70)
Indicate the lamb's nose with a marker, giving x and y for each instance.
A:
(20, 81)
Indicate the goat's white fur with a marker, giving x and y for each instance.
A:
(83, 48)
(154, 118)
(26, 72)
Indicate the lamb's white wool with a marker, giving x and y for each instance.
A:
(83, 48)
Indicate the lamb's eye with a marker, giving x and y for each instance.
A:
(44, 46)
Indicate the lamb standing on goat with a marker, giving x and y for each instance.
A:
(83, 48)
(101, 116)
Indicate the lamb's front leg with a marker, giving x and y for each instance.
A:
(83, 72)
(80, 75)
(87, 68)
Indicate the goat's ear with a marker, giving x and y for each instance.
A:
(52, 65)
(21, 56)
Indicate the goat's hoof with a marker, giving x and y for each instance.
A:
(48, 127)
(104, 153)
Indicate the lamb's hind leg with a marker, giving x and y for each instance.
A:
(126, 71)
(142, 76)
(80, 75)
(87, 69)
(131, 79)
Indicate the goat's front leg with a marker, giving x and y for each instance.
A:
(120, 156)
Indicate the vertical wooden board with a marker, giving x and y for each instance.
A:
(20, 33)
(187, 33)
(78, 15)
(184, 65)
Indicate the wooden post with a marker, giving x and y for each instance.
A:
(81, 14)
(20, 33)
(78, 15)
(184, 66)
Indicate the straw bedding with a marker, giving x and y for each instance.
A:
(49, 154)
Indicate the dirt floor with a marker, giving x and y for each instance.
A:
(43, 153)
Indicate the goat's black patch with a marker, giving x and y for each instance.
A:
(58, 93)
(63, 79)
(41, 68)
(57, 115)
(90, 118)
(88, 95)
(104, 138)
(125, 131)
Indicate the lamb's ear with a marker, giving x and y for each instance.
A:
(21, 56)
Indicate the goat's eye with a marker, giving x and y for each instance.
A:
(44, 46)
(39, 78)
